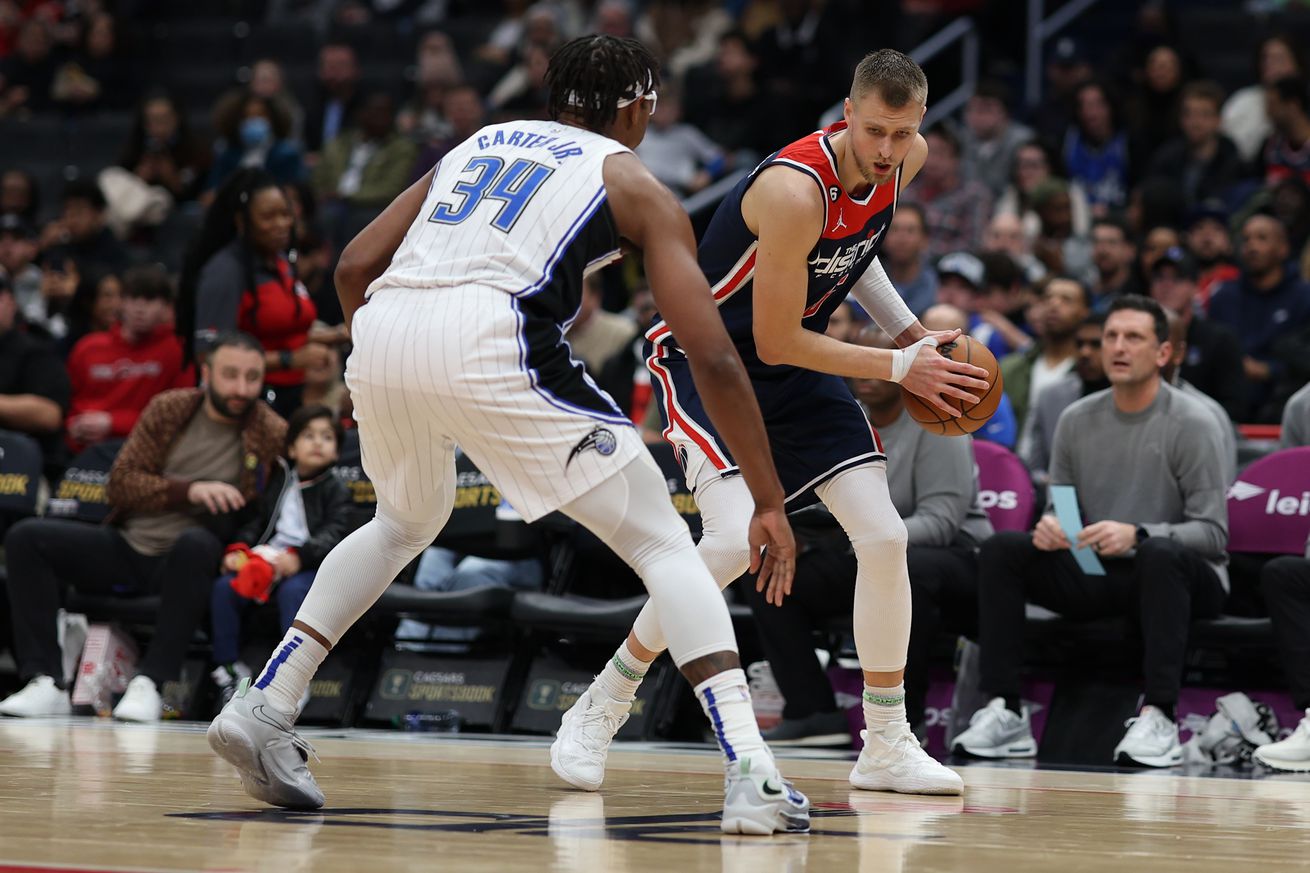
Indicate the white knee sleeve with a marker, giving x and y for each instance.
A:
(631, 513)
(725, 510)
(860, 501)
(354, 575)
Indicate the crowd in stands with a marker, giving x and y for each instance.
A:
(1045, 232)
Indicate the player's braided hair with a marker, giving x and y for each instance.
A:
(590, 75)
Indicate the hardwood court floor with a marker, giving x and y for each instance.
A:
(91, 795)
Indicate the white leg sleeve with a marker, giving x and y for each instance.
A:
(360, 568)
(631, 513)
(725, 507)
(860, 501)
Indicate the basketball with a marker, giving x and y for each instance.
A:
(974, 415)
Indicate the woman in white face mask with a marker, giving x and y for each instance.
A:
(253, 132)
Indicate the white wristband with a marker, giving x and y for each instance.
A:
(903, 358)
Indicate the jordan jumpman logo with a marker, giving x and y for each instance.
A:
(841, 220)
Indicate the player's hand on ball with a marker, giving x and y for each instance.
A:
(933, 376)
(1109, 539)
(942, 337)
(770, 531)
(1048, 536)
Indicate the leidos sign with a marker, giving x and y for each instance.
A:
(1269, 507)
(1277, 503)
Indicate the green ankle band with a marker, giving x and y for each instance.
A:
(883, 700)
(625, 671)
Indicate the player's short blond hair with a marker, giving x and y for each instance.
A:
(897, 79)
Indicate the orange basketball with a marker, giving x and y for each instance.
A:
(974, 415)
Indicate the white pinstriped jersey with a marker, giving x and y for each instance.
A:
(518, 207)
(462, 341)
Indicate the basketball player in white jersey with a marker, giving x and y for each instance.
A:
(470, 279)
(782, 251)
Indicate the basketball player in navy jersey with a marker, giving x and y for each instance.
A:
(470, 278)
(781, 253)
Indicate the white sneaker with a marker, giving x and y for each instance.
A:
(995, 732)
(894, 761)
(1151, 741)
(758, 801)
(578, 754)
(40, 697)
(1291, 755)
(141, 701)
(272, 759)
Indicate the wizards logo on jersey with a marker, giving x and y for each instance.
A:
(845, 257)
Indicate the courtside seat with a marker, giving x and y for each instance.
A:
(471, 607)
(1231, 631)
(573, 614)
(105, 607)
(1225, 632)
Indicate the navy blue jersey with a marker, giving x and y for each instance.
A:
(816, 428)
(852, 236)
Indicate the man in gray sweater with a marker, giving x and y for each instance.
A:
(934, 487)
(1147, 461)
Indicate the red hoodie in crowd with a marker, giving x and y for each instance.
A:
(109, 374)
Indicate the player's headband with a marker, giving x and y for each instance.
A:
(637, 90)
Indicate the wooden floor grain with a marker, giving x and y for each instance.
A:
(92, 795)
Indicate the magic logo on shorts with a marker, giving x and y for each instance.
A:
(601, 439)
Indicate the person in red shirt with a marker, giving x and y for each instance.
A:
(240, 274)
(115, 372)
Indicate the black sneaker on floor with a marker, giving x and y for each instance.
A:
(819, 730)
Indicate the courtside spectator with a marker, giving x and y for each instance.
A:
(186, 478)
(1161, 541)
(302, 514)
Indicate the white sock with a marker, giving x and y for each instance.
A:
(349, 581)
(622, 675)
(726, 699)
(288, 673)
(884, 707)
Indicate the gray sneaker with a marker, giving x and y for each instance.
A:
(271, 758)
(759, 801)
(818, 730)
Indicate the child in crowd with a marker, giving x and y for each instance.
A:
(304, 512)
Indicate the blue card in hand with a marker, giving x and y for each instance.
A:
(1065, 499)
